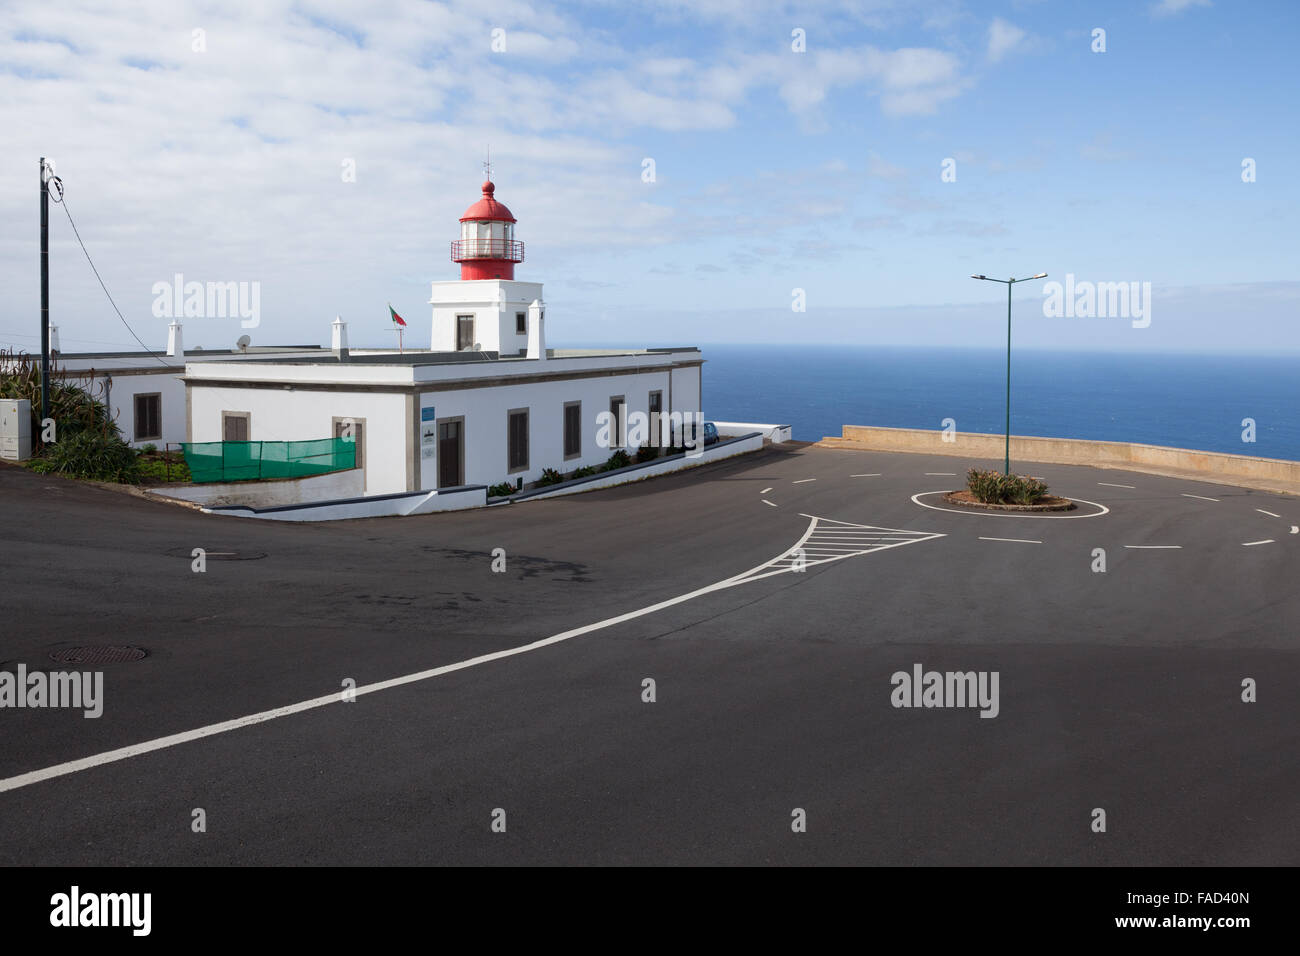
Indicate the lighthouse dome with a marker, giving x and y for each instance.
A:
(487, 209)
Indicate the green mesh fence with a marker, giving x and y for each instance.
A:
(246, 460)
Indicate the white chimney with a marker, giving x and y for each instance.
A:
(339, 336)
(54, 339)
(175, 345)
(536, 333)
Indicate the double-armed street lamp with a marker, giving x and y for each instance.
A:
(1009, 283)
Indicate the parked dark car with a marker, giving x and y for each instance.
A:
(710, 433)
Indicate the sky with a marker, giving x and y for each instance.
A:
(683, 173)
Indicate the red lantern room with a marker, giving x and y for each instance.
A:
(487, 248)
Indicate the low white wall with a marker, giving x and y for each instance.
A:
(773, 433)
(742, 446)
(1266, 473)
(417, 502)
(269, 493)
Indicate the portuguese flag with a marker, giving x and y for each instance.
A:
(397, 319)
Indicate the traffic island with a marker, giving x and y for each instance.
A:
(965, 499)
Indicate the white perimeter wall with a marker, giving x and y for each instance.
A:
(278, 414)
(268, 494)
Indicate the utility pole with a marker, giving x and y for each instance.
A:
(45, 298)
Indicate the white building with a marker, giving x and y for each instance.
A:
(145, 391)
(488, 403)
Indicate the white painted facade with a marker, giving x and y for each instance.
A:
(302, 400)
(116, 378)
(493, 305)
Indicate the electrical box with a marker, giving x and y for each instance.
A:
(15, 429)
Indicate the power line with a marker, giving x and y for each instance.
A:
(62, 201)
(25, 335)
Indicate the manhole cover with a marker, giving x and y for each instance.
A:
(218, 554)
(99, 654)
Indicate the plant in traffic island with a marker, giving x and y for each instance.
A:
(996, 488)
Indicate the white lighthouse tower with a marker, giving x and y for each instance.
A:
(486, 309)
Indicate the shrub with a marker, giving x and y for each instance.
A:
(995, 488)
(74, 408)
(149, 449)
(620, 459)
(101, 456)
(164, 468)
(647, 452)
(549, 477)
(586, 471)
(501, 490)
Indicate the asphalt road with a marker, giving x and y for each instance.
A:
(1119, 690)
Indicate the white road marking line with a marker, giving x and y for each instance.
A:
(916, 499)
(1249, 544)
(941, 474)
(173, 740)
(1154, 547)
(802, 481)
(872, 475)
(1202, 497)
(768, 503)
(1012, 540)
(765, 491)
(1111, 484)
(1269, 513)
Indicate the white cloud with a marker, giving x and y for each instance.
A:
(1167, 8)
(1003, 38)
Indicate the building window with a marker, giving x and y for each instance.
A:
(572, 430)
(618, 421)
(517, 419)
(521, 323)
(464, 332)
(234, 426)
(656, 410)
(148, 416)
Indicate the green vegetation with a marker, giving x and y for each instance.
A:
(549, 477)
(501, 490)
(620, 459)
(646, 453)
(100, 456)
(995, 488)
(163, 467)
(586, 471)
(73, 408)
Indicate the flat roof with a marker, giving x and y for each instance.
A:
(266, 349)
(425, 357)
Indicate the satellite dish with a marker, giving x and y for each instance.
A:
(243, 343)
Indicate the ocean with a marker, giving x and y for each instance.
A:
(1179, 400)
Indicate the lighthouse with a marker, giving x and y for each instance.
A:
(487, 247)
(486, 309)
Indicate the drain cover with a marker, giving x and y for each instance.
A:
(99, 654)
(218, 554)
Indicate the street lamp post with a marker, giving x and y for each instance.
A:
(1009, 283)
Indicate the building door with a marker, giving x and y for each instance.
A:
(464, 332)
(356, 428)
(451, 453)
(656, 413)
